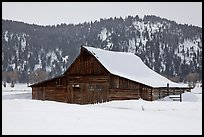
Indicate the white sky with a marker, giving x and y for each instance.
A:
(52, 13)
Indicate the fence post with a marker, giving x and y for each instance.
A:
(167, 89)
(180, 97)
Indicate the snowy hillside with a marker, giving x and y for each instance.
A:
(21, 115)
(163, 45)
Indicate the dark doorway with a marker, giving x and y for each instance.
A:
(77, 95)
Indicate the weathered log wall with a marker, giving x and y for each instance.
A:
(87, 81)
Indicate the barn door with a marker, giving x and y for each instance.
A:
(144, 94)
(69, 94)
(77, 95)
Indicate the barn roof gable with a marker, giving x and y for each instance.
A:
(130, 66)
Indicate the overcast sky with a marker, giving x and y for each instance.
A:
(52, 13)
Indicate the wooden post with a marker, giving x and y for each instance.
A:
(180, 97)
(167, 89)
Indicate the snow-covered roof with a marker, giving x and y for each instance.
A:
(130, 66)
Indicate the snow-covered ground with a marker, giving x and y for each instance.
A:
(22, 115)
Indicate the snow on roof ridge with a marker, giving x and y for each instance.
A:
(130, 66)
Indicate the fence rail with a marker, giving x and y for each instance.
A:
(176, 97)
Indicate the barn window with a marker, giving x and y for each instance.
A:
(59, 82)
(76, 85)
(99, 87)
(91, 87)
(116, 82)
(123, 83)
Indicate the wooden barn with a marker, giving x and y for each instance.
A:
(98, 75)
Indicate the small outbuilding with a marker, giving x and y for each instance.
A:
(97, 76)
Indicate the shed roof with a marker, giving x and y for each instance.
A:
(130, 66)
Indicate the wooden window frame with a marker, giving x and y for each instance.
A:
(59, 82)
